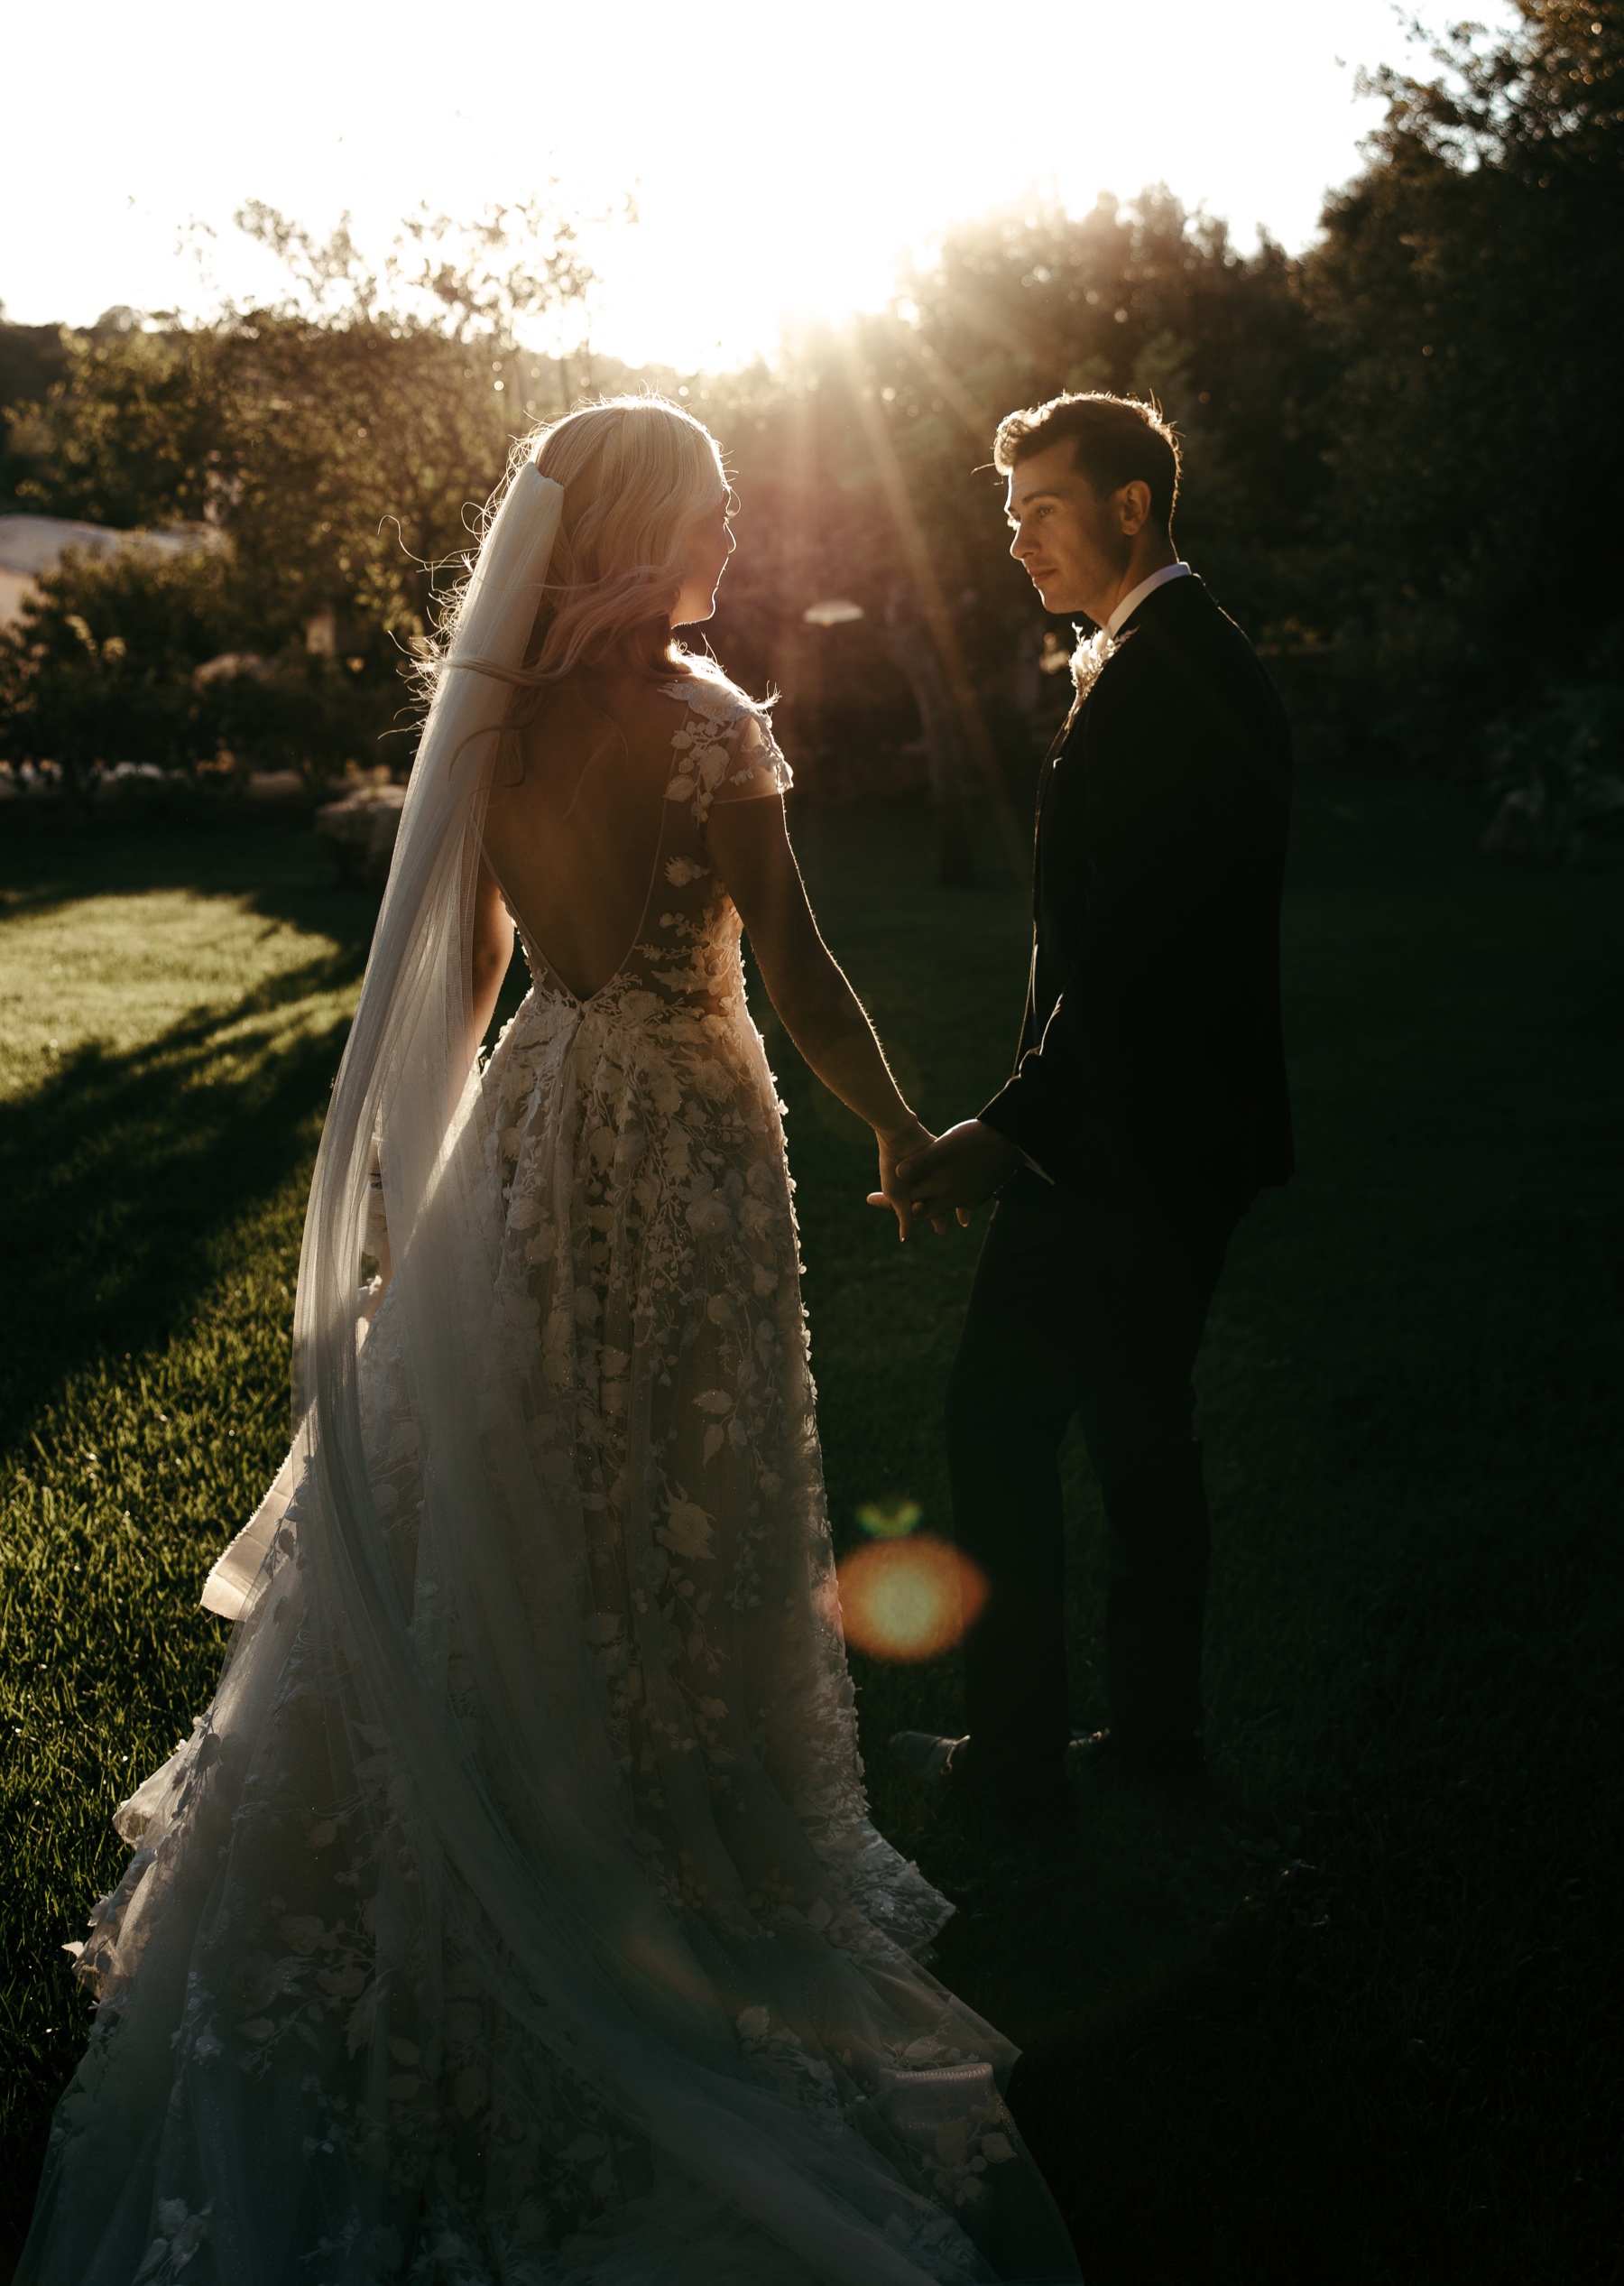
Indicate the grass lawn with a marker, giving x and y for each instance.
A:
(1357, 2021)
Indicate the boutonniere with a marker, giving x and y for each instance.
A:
(1088, 660)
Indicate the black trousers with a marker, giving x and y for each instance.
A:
(1089, 1304)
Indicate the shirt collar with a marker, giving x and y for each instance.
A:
(1130, 603)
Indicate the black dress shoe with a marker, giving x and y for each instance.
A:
(950, 1769)
(1162, 1766)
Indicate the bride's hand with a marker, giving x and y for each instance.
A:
(897, 1143)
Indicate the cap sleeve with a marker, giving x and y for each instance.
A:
(756, 763)
(725, 750)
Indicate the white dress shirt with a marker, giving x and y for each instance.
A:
(1130, 603)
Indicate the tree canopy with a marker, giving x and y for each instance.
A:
(1402, 473)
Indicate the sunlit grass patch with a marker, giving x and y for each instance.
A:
(120, 970)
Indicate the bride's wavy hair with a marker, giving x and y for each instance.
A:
(637, 475)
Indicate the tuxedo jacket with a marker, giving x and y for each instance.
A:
(1152, 1031)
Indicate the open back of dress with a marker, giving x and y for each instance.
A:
(596, 829)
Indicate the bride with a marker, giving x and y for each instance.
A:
(514, 1913)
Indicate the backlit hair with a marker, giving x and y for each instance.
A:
(638, 473)
(1115, 440)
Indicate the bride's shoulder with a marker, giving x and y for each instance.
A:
(706, 691)
(731, 753)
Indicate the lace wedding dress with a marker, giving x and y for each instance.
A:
(514, 1913)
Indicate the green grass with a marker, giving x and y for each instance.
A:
(1356, 2022)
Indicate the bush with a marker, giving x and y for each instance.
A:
(1562, 774)
(100, 666)
(109, 663)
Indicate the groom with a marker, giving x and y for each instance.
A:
(1147, 1108)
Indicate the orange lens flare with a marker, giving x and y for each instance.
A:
(909, 1599)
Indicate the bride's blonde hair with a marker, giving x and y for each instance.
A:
(637, 474)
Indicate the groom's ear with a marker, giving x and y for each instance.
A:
(1132, 502)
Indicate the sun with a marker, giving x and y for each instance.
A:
(784, 162)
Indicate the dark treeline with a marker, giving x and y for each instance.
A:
(1403, 467)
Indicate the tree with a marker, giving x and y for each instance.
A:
(129, 434)
(332, 443)
(1472, 279)
(32, 357)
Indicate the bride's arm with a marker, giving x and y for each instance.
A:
(492, 949)
(820, 1011)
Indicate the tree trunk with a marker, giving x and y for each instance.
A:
(908, 640)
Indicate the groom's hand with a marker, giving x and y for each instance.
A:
(957, 1172)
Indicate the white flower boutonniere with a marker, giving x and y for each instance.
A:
(1088, 660)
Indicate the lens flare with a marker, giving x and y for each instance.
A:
(891, 1519)
(909, 1599)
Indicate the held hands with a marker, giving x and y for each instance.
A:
(947, 1177)
(897, 1145)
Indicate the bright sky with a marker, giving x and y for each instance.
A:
(782, 156)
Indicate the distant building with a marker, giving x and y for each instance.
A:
(29, 545)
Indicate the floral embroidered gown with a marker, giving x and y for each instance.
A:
(315, 2057)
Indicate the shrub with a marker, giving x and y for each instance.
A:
(104, 668)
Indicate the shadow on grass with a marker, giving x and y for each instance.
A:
(120, 1171)
(284, 874)
(122, 1168)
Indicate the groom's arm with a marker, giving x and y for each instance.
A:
(1158, 824)
(1156, 834)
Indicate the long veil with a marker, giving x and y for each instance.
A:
(428, 1879)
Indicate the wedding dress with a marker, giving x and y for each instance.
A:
(514, 1913)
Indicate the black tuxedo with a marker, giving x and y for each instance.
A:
(1150, 1090)
(1153, 1012)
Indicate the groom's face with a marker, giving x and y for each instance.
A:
(1070, 545)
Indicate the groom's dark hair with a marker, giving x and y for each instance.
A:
(1115, 440)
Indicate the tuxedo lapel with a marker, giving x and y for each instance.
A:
(1046, 777)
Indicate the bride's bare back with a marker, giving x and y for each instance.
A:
(629, 835)
(573, 830)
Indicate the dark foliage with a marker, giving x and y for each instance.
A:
(1472, 279)
(32, 359)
